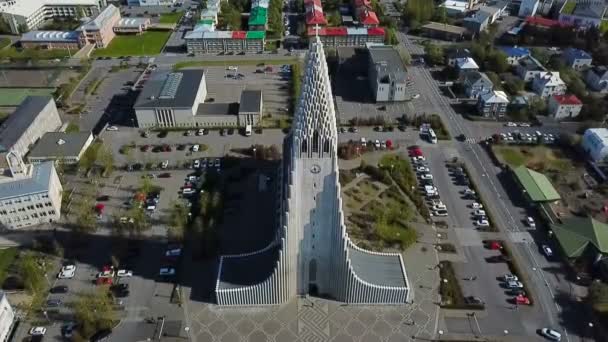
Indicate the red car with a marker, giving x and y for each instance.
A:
(167, 148)
(522, 300)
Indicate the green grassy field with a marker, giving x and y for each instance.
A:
(540, 158)
(7, 256)
(4, 42)
(11, 97)
(170, 18)
(149, 43)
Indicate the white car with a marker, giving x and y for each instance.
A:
(514, 284)
(124, 273)
(440, 213)
(418, 159)
(426, 176)
(437, 202)
(524, 124)
(195, 147)
(510, 277)
(511, 124)
(67, 272)
(36, 331)
(422, 169)
(175, 252)
(482, 223)
(479, 212)
(233, 68)
(551, 334)
(166, 272)
(469, 192)
(547, 250)
(476, 205)
(165, 164)
(112, 128)
(197, 164)
(530, 222)
(200, 132)
(439, 207)
(217, 163)
(416, 96)
(377, 143)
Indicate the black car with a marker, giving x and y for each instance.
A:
(382, 108)
(401, 128)
(222, 131)
(103, 198)
(230, 131)
(517, 292)
(162, 134)
(53, 303)
(120, 287)
(59, 289)
(101, 335)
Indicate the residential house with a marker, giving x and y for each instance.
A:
(476, 83)
(514, 53)
(477, 22)
(597, 78)
(582, 14)
(454, 54)
(576, 59)
(466, 64)
(564, 106)
(528, 8)
(493, 104)
(529, 67)
(548, 83)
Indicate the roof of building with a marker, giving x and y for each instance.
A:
(315, 16)
(444, 27)
(515, 51)
(219, 108)
(247, 271)
(28, 7)
(567, 99)
(584, 9)
(132, 22)
(600, 70)
(345, 31)
(473, 76)
(458, 53)
(16, 124)
(60, 144)
(50, 36)
(600, 133)
(383, 270)
(572, 53)
(251, 100)
(170, 89)
(367, 17)
(258, 16)
(549, 79)
(101, 20)
(496, 96)
(388, 63)
(530, 63)
(37, 182)
(540, 21)
(456, 6)
(466, 63)
(479, 17)
(537, 185)
(576, 234)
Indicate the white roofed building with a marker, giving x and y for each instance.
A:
(51, 40)
(131, 25)
(493, 104)
(548, 83)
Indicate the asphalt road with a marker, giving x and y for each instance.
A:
(509, 218)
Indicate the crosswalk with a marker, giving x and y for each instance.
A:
(471, 140)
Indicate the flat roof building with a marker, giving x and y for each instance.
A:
(51, 40)
(201, 41)
(250, 107)
(444, 31)
(386, 74)
(7, 317)
(62, 146)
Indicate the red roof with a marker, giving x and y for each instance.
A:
(567, 99)
(315, 17)
(239, 34)
(543, 22)
(328, 31)
(313, 2)
(375, 31)
(359, 3)
(369, 18)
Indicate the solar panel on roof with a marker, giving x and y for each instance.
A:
(171, 85)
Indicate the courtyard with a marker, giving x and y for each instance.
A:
(146, 44)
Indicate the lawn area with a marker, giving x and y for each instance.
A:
(149, 43)
(7, 256)
(12, 97)
(539, 158)
(4, 42)
(170, 18)
(33, 54)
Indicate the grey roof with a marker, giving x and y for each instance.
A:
(458, 53)
(601, 71)
(50, 36)
(590, 10)
(479, 17)
(388, 64)
(249, 270)
(473, 77)
(185, 89)
(383, 270)
(101, 20)
(59, 144)
(530, 63)
(131, 22)
(18, 122)
(250, 101)
(37, 183)
(217, 109)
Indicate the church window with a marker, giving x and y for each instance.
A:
(315, 142)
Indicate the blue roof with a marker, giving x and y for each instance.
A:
(515, 51)
(37, 183)
(576, 53)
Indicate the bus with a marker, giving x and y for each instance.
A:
(432, 136)
(248, 130)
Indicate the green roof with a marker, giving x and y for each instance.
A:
(255, 35)
(536, 184)
(258, 16)
(568, 7)
(576, 233)
(205, 22)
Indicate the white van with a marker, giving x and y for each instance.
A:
(151, 207)
(188, 191)
(248, 130)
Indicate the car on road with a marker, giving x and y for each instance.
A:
(426, 176)
(510, 277)
(440, 213)
(551, 334)
(124, 273)
(479, 212)
(68, 329)
(476, 205)
(511, 124)
(472, 300)
(530, 222)
(482, 223)
(514, 284)
(37, 331)
(524, 124)
(67, 272)
(547, 250)
(59, 289)
(195, 147)
(112, 128)
(166, 272)
(422, 169)
(53, 303)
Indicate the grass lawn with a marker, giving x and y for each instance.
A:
(4, 42)
(149, 43)
(10, 97)
(540, 158)
(170, 18)
(7, 256)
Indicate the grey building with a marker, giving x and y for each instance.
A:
(66, 147)
(33, 118)
(493, 104)
(250, 107)
(476, 83)
(454, 54)
(386, 73)
(597, 78)
(529, 67)
(478, 22)
(577, 59)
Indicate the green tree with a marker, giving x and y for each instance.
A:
(4, 27)
(178, 221)
(434, 53)
(106, 157)
(86, 218)
(479, 52)
(94, 311)
(537, 106)
(145, 185)
(495, 79)
(497, 62)
(514, 85)
(89, 157)
(540, 54)
(334, 19)
(419, 11)
(230, 17)
(30, 273)
(597, 296)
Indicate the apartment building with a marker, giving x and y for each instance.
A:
(66, 40)
(201, 42)
(100, 31)
(26, 15)
(7, 317)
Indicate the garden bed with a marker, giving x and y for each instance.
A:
(450, 290)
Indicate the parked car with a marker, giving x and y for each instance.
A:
(59, 289)
(476, 205)
(53, 303)
(426, 176)
(439, 206)
(67, 272)
(479, 212)
(511, 124)
(37, 331)
(112, 128)
(530, 222)
(510, 277)
(551, 334)
(166, 272)
(440, 213)
(547, 250)
(482, 223)
(513, 284)
(124, 273)
(472, 300)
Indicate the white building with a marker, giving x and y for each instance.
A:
(595, 143)
(7, 317)
(493, 104)
(310, 252)
(25, 15)
(548, 83)
(150, 2)
(386, 74)
(564, 106)
(466, 64)
(528, 8)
